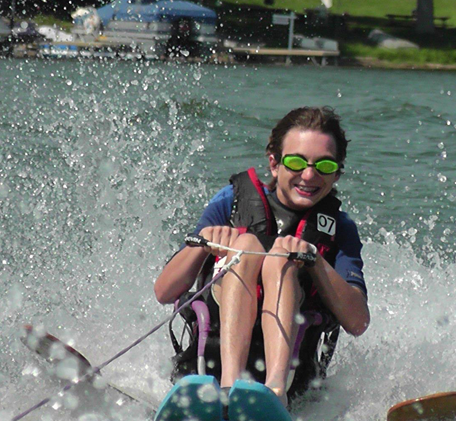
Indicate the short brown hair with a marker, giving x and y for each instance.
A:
(322, 119)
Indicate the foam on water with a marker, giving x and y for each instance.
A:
(104, 169)
(407, 351)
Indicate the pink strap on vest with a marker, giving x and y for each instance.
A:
(259, 186)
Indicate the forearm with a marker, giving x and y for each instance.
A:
(179, 274)
(346, 302)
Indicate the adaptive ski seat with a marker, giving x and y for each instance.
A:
(255, 211)
(198, 349)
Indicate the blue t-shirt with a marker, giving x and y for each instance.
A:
(348, 263)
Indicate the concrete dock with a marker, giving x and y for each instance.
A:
(323, 55)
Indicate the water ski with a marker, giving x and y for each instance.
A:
(193, 397)
(69, 363)
(254, 401)
(55, 351)
(439, 406)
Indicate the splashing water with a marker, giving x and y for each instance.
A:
(105, 166)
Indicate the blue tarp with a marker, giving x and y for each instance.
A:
(153, 11)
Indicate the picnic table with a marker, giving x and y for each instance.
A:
(393, 19)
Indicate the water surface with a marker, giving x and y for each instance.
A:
(104, 166)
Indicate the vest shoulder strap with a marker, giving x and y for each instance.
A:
(250, 207)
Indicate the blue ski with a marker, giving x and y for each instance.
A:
(193, 397)
(252, 401)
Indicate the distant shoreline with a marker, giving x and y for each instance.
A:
(375, 63)
(352, 62)
(229, 59)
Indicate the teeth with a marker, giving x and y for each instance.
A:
(307, 189)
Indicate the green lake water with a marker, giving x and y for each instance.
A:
(105, 166)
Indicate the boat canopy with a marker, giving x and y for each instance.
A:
(153, 11)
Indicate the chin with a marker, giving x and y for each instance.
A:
(303, 203)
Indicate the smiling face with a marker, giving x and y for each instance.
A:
(304, 189)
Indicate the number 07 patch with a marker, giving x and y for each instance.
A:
(326, 224)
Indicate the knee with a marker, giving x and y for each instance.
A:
(275, 261)
(248, 242)
(275, 267)
(249, 267)
(278, 249)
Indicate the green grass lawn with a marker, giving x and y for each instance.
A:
(403, 56)
(371, 8)
(49, 20)
(361, 17)
(254, 24)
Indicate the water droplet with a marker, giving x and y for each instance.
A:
(300, 319)
(71, 401)
(56, 405)
(442, 178)
(99, 382)
(207, 393)
(184, 401)
(260, 365)
(31, 370)
(68, 369)
(418, 407)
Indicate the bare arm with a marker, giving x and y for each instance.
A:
(179, 274)
(348, 303)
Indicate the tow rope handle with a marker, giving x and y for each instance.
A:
(307, 259)
(195, 241)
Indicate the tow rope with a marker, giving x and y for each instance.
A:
(192, 241)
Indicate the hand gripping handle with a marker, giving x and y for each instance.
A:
(307, 259)
(193, 240)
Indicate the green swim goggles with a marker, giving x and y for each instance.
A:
(298, 163)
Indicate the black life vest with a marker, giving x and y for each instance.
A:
(252, 212)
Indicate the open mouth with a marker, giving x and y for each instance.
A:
(307, 190)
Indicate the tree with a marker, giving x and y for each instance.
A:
(425, 16)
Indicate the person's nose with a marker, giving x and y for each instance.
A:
(309, 173)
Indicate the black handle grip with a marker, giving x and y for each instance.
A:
(195, 241)
(307, 258)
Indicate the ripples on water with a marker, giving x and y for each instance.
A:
(105, 167)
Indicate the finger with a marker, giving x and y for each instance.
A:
(233, 236)
(290, 243)
(210, 234)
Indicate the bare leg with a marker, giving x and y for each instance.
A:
(282, 295)
(238, 309)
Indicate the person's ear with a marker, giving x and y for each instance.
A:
(274, 165)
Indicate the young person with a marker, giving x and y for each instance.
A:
(296, 212)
